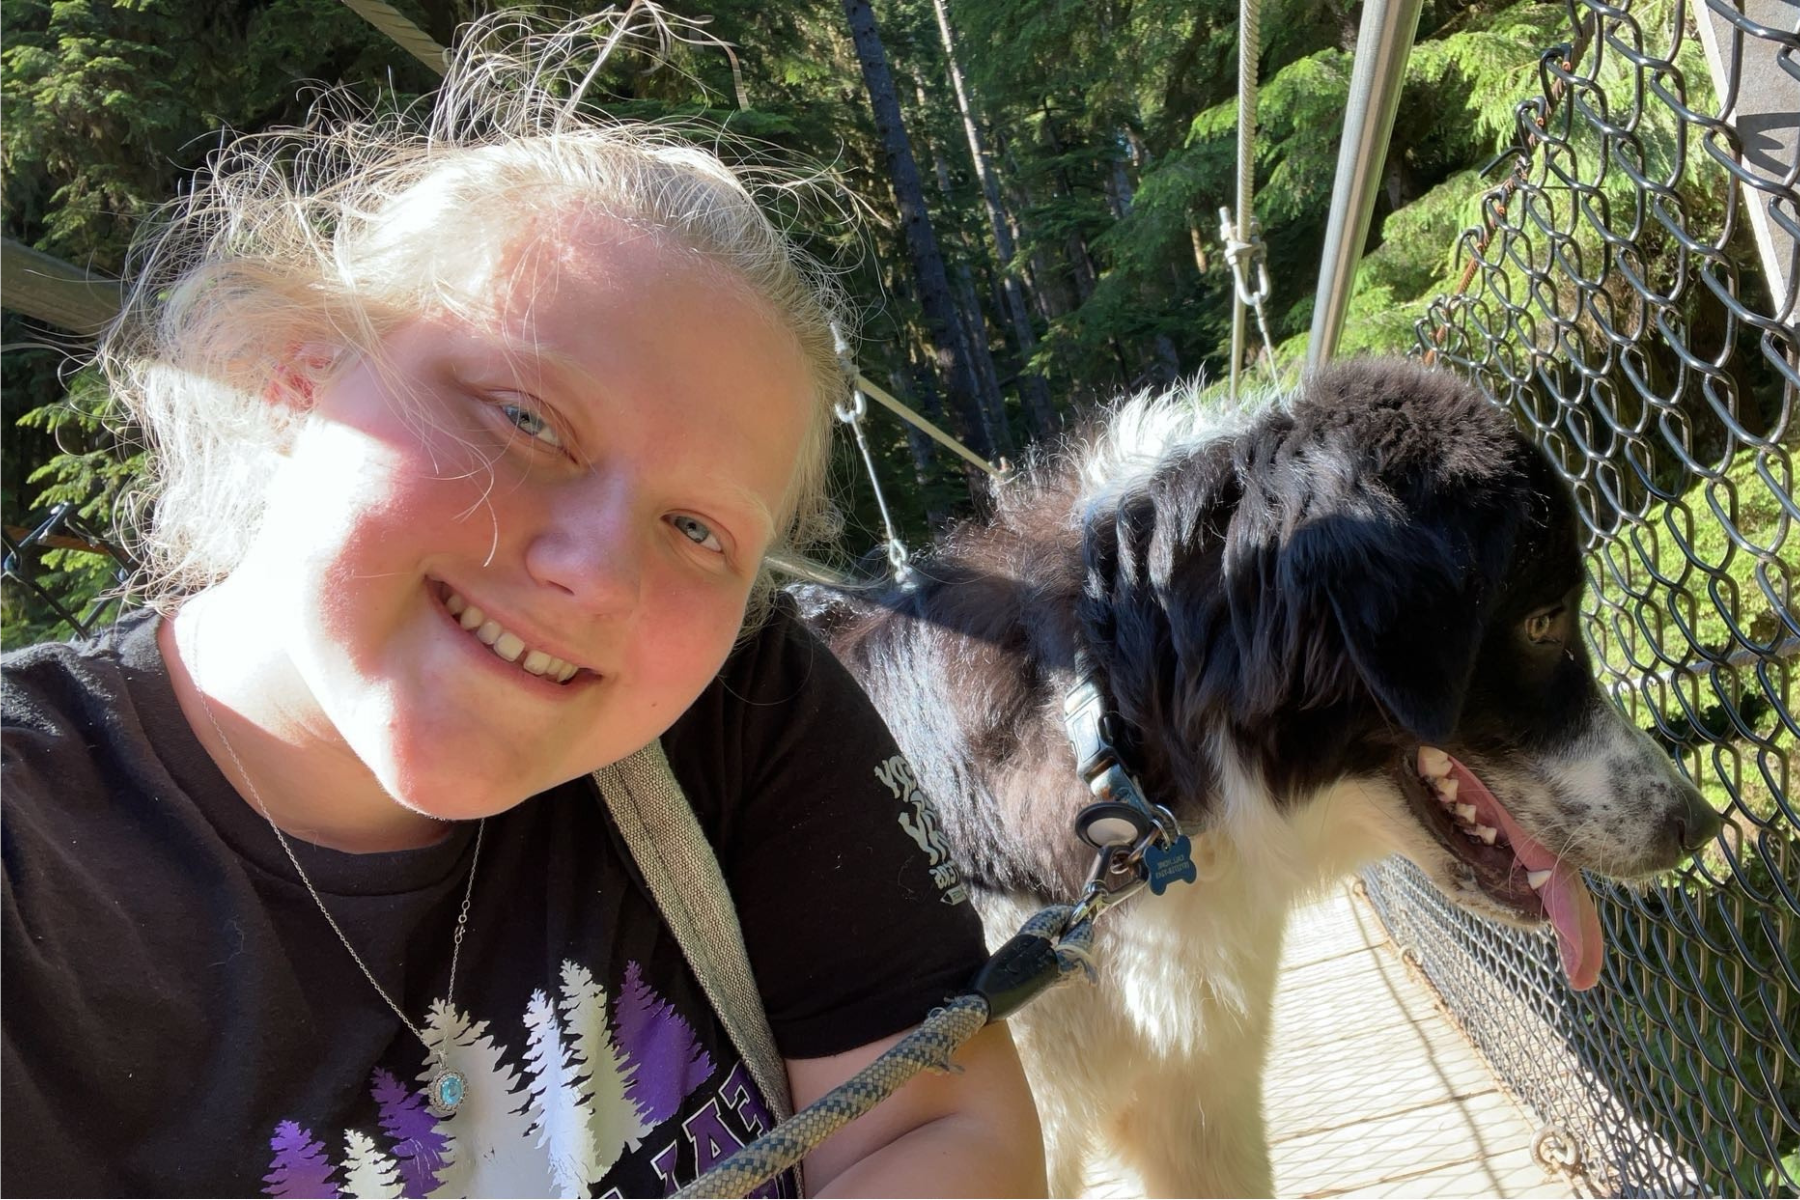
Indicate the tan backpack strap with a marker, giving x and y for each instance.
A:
(686, 884)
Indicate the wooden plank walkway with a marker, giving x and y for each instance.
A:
(1371, 1090)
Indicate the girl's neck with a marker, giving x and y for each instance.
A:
(258, 720)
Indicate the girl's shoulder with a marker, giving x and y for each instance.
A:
(54, 687)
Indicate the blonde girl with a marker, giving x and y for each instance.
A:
(470, 444)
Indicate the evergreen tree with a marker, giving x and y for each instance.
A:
(563, 1125)
(418, 1145)
(666, 1060)
(301, 1166)
(368, 1173)
(921, 242)
(492, 1151)
(615, 1124)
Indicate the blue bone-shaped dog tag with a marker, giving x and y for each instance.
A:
(1173, 863)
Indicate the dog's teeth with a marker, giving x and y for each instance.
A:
(1537, 879)
(1487, 833)
(1433, 763)
(1446, 788)
(1465, 813)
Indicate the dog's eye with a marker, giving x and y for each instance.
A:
(1541, 627)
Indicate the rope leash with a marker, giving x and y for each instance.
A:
(1046, 951)
(1136, 845)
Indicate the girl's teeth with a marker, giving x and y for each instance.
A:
(509, 646)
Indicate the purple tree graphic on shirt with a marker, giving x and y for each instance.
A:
(418, 1146)
(666, 1060)
(300, 1166)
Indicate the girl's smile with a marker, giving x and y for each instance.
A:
(527, 659)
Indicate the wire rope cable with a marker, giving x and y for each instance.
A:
(1239, 232)
(851, 414)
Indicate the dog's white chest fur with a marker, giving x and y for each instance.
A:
(1159, 1063)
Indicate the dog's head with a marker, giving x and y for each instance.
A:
(1394, 603)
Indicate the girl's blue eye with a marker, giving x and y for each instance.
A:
(698, 532)
(532, 424)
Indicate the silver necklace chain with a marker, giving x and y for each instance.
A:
(447, 1088)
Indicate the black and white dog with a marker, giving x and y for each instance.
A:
(1335, 626)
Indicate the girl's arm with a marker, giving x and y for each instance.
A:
(969, 1133)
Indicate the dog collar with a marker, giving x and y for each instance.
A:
(1093, 729)
(1122, 819)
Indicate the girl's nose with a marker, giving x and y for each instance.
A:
(592, 548)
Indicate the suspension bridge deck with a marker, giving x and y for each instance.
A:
(1371, 1089)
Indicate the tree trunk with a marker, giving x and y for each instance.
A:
(1049, 294)
(1040, 411)
(928, 263)
(1202, 260)
(924, 450)
(971, 329)
(1081, 263)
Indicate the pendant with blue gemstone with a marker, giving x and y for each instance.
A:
(447, 1090)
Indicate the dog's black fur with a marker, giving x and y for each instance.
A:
(1337, 583)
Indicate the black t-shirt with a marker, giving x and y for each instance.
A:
(180, 1019)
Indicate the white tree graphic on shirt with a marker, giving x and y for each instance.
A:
(368, 1173)
(562, 1126)
(615, 1122)
(553, 1130)
(493, 1152)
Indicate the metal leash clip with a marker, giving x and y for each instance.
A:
(1116, 874)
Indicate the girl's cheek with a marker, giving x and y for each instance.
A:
(696, 614)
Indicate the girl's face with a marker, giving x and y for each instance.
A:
(599, 476)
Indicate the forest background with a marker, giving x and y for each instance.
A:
(1088, 266)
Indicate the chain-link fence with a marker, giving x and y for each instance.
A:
(1630, 295)
(38, 577)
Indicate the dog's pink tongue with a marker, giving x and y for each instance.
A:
(1567, 902)
(1578, 936)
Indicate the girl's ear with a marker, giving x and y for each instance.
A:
(298, 373)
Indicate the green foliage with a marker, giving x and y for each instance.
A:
(1112, 126)
(109, 107)
(1482, 63)
(1698, 579)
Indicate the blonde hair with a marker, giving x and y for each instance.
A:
(318, 236)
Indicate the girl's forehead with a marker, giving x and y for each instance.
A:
(582, 254)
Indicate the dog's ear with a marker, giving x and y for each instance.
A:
(1366, 592)
(1408, 600)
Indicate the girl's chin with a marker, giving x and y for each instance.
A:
(436, 805)
(445, 790)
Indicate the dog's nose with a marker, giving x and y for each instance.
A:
(1695, 824)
